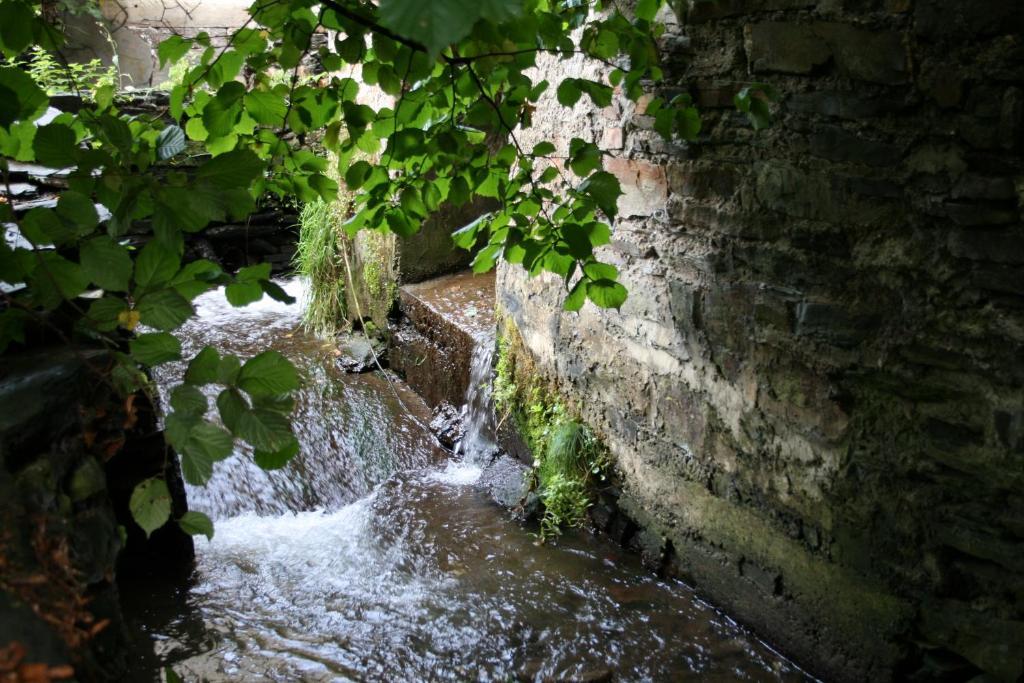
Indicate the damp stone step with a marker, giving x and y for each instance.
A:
(443, 319)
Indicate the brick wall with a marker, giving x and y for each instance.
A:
(814, 392)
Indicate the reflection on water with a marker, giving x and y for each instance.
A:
(371, 559)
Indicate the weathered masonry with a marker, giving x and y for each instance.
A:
(814, 391)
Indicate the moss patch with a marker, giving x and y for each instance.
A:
(569, 460)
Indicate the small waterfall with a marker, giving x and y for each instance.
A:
(368, 559)
(478, 420)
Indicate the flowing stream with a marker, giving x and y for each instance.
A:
(374, 557)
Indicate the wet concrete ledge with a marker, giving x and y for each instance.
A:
(441, 320)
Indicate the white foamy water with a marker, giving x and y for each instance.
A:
(457, 474)
(478, 420)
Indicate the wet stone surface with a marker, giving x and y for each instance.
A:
(464, 300)
(432, 347)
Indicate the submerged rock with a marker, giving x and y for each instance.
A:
(505, 481)
(446, 424)
(360, 354)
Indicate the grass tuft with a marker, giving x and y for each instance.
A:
(319, 258)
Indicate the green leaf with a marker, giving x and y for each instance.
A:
(600, 271)
(177, 101)
(195, 523)
(434, 24)
(584, 157)
(357, 174)
(243, 293)
(55, 279)
(399, 223)
(156, 265)
(646, 9)
(543, 149)
(664, 119)
(268, 374)
(411, 203)
(568, 92)
(459, 192)
(255, 273)
(164, 309)
(606, 293)
(203, 368)
(41, 227)
(55, 146)
(238, 168)
(605, 190)
(150, 505)
(188, 400)
(104, 97)
(688, 123)
(599, 93)
(231, 405)
(78, 210)
(172, 50)
(199, 443)
(20, 98)
(155, 348)
(16, 21)
(606, 44)
(265, 430)
(195, 129)
(406, 143)
(107, 264)
(12, 327)
(265, 107)
(211, 441)
(486, 258)
(116, 132)
(227, 371)
(195, 466)
(104, 314)
(276, 292)
(598, 233)
(577, 296)
(272, 460)
(170, 142)
(466, 236)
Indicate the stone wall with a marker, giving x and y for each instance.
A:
(129, 33)
(814, 392)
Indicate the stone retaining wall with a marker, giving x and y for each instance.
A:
(814, 392)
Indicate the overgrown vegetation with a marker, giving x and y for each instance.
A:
(569, 460)
(350, 276)
(376, 258)
(54, 76)
(319, 259)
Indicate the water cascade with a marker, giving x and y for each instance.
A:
(371, 558)
(478, 420)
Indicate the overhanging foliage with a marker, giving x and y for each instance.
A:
(459, 72)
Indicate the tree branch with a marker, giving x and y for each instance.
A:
(367, 22)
